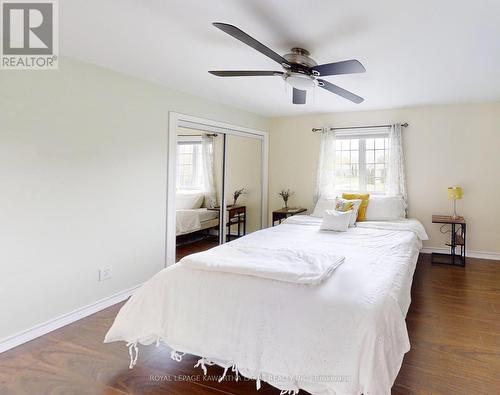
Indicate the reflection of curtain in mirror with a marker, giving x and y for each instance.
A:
(207, 154)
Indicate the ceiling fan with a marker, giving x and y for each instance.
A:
(300, 70)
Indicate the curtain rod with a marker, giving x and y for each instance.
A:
(198, 135)
(315, 130)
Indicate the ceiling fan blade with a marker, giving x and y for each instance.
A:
(299, 96)
(345, 67)
(245, 73)
(248, 40)
(339, 91)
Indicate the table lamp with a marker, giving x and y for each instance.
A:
(455, 193)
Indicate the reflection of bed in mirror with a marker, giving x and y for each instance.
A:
(189, 221)
(191, 216)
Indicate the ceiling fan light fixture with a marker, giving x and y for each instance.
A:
(300, 81)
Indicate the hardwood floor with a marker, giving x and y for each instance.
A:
(196, 246)
(454, 328)
(453, 322)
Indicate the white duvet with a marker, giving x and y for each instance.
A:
(346, 335)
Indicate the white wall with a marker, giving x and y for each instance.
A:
(444, 146)
(83, 185)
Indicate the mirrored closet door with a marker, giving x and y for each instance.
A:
(219, 185)
(243, 185)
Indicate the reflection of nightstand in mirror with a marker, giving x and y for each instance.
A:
(458, 229)
(236, 215)
(284, 213)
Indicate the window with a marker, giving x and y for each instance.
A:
(361, 163)
(189, 165)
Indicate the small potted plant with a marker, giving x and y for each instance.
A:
(237, 194)
(285, 195)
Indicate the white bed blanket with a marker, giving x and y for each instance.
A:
(346, 335)
(248, 256)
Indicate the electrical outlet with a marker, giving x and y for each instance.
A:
(104, 274)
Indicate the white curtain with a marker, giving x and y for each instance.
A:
(207, 154)
(325, 178)
(396, 179)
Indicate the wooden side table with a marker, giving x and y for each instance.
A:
(236, 215)
(454, 258)
(283, 213)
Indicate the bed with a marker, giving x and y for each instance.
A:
(346, 335)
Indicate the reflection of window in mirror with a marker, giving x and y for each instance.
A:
(189, 164)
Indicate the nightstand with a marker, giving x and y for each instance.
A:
(458, 232)
(284, 213)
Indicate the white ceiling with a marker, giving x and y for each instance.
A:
(415, 52)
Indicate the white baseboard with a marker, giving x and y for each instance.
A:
(473, 254)
(63, 320)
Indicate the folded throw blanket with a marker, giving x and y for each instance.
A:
(294, 266)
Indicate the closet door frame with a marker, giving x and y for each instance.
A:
(176, 120)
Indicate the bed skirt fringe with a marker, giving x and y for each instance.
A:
(133, 359)
(202, 363)
(176, 356)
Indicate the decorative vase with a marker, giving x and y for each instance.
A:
(286, 203)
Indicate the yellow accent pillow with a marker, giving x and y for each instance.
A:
(364, 203)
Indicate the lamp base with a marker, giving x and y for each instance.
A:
(454, 216)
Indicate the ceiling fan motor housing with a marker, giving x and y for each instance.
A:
(297, 73)
(300, 57)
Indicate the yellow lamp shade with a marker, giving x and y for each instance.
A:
(455, 193)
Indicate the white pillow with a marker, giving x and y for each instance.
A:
(336, 220)
(322, 205)
(385, 208)
(187, 200)
(356, 203)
